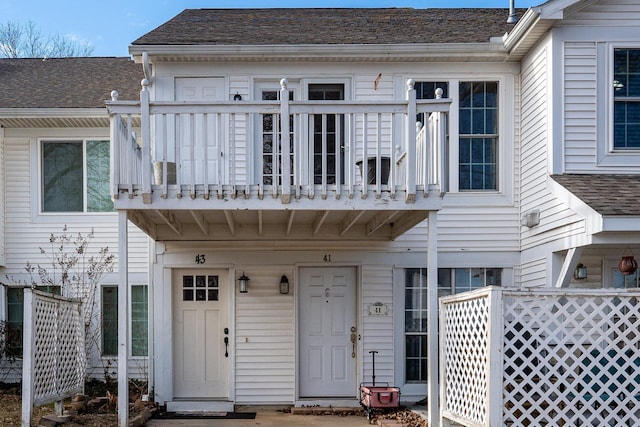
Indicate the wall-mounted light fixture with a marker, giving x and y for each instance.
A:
(243, 284)
(284, 285)
(237, 97)
(580, 273)
(530, 219)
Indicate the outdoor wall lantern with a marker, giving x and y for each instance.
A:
(237, 97)
(284, 285)
(580, 273)
(243, 284)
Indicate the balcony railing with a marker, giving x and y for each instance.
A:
(231, 149)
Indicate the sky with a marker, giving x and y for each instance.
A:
(110, 26)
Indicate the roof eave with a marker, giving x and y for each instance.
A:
(53, 117)
(350, 52)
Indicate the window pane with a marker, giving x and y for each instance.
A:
(626, 84)
(62, 181)
(98, 197)
(15, 315)
(478, 117)
(109, 321)
(139, 321)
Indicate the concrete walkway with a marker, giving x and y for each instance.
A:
(270, 418)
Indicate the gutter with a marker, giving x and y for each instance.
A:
(350, 52)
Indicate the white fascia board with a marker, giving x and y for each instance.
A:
(519, 32)
(621, 223)
(593, 219)
(32, 113)
(348, 52)
(554, 9)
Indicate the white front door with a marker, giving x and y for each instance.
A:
(200, 327)
(327, 320)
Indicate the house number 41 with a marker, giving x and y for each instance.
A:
(200, 259)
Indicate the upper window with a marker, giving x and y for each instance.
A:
(75, 176)
(478, 136)
(626, 97)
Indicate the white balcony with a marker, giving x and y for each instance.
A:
(200, 170)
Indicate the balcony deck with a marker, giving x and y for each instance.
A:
(211, 170)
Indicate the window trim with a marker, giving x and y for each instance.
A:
(503, 194)
(607, 156)
(612, 101)
(38, 214)
(130, 317)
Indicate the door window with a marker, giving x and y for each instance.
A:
(328, 136)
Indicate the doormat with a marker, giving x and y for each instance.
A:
(205, 416)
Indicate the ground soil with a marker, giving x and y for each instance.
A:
(11, 410)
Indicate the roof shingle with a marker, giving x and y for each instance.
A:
(609, 195)
(67, 82)
(300, 26)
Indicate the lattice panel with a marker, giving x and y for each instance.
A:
(464, 345)
(571, 359)
(58, 349)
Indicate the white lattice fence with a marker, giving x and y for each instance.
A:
(54, 355)
(565, 357)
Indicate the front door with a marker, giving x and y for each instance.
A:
(327, 325)
(200, 328)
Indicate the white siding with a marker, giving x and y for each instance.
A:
(377, 331)
(580, 106)
(534, 273)
(2, 199)
(27, 231)
(557, 221)
(621, 13)
(265, 340)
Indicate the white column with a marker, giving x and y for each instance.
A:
(123, 320)
(433, 392)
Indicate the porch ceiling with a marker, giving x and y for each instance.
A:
(270, 225)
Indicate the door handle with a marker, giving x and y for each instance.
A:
(353, 342)
(226, 346)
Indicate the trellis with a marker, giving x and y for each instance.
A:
(53, 348)
(543, 357)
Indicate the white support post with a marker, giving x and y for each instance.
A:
(411, 142)
(123, 320)
(568, 266)
(433, 392)
(494, 362)
(145, 133)
(116, 145)
(285, 143)
(27, 361)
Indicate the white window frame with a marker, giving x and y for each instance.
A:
(503, 195)
(607, 155)
(130, 318)
(38, 185)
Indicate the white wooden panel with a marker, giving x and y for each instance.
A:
(2, 200)
(534, 273)
(580, 106)
(377, 333)
(265, 339)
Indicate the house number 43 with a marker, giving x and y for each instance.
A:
(200, 259)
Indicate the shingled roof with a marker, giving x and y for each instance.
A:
(608, 195)
(67, 82)
(329, 26)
